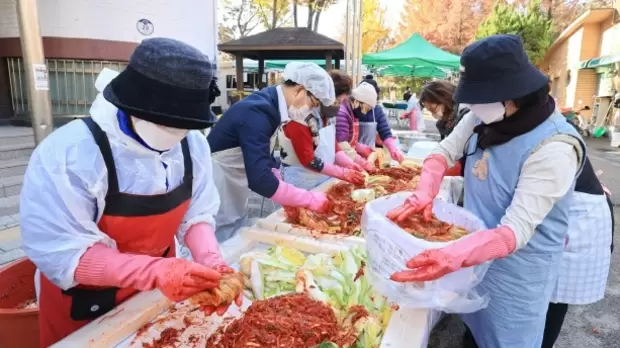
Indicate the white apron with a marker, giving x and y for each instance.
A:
(584, 268)
(301, 177)
(368, 131)
(231, 180)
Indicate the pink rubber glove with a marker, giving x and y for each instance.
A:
(433, 171)
(201, 241)
(606, 190)
(364, 164)
(348, 175)
(343, 160)
(178, 279)
(469, 251)
(413, 120)
(363, 150)
(277, 173)
(392, 146)
(287, 194)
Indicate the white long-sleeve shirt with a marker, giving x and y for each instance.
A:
(546, 176)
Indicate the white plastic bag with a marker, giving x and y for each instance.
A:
(451, 189)
(389, 249)
(421, 149)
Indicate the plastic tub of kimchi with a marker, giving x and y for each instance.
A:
(390, 245)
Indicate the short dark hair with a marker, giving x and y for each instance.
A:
(343, 83)
(289, 83)
(373, 83)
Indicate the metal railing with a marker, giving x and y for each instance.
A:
(71, 82)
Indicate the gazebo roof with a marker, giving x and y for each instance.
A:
(284, 43)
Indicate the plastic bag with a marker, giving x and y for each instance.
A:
(451, 189)
(421, 149)
(389, 248)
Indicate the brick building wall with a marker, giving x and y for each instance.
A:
(572, 86)
(586, 79)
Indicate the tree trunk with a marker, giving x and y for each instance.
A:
(317, 17)
(295, 13)
(274, 19)
(310, 17)
(310, 14)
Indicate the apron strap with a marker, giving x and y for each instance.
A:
(275, 138)
(106, 151)
(187, 162)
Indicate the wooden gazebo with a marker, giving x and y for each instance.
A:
(283, 43)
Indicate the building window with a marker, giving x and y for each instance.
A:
(554, 87)
(72, 85)
(568, 77)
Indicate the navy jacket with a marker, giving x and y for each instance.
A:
(383, 127)
(249, 124)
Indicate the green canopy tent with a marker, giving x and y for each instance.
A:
(412, 71)
(280, 64)
(414, 52)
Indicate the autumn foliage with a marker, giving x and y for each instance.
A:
(448, 24)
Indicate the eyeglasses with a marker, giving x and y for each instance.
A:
(314, 100)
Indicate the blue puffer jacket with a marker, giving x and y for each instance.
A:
(383, 127)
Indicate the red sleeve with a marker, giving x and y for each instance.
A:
(454, 171)
(301, 139)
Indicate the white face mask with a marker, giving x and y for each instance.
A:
(299, 113)
(488, 113)
(160, 138)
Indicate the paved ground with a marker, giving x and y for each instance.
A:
(10, 245)
(9, 221)
(593, 326)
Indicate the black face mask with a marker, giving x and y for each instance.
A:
(329, 111)
(358, 112)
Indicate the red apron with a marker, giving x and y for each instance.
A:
(139, 224)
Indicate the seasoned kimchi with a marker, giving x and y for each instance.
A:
(344, 215)
(433, 230)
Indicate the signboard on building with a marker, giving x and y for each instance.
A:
(41, 77)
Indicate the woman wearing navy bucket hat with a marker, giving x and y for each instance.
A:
(105, 196)
(522, 161)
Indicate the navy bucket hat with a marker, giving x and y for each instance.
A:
(167, 82)
(496, 69)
